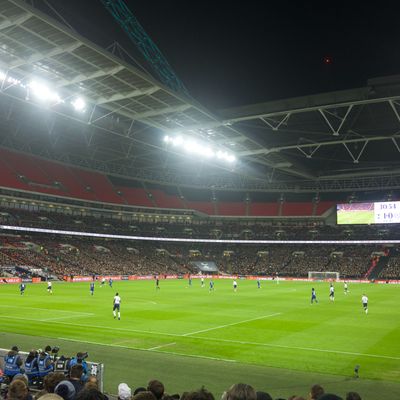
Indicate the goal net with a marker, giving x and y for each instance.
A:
(326, 275)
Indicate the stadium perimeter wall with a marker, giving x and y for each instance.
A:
(80, 278)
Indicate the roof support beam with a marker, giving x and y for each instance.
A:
(328, 143)
(123, 96)
(17, 21)
(40, 56)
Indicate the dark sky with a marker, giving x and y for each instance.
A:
(230, 54)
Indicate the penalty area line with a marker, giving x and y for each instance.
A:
(151, 350)
(162, 345)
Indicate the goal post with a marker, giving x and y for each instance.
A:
(322, 276)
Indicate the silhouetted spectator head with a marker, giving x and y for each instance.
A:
(353, 396)
(51, 380)
(76, 371)
(263, 396)
(139, 389)
(21, 377)
(330, 396)
(18, 390)
(201, 394)
(66, 390)
(144, 395)
(316, 392)
(90, 394)
(50, 396)
(241, 391)
(157, 388)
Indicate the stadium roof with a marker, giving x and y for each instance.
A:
(347, 140)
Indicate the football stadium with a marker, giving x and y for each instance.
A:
(153, 247)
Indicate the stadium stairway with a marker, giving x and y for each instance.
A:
(374, 272)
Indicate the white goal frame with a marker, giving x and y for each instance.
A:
(323, 275)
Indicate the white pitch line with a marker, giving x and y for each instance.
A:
(66, 317)
(162, 345)
(50, 309)
(149, 350)
(206, 339)
(281, 346)
(232, 324)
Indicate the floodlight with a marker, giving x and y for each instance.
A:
(79, 104)
(43, 93)
(2, 76)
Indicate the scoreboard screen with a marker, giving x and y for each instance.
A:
(387, 212)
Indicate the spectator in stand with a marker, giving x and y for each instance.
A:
(91, 394)
(51, 396)
(353, 396)
(75, 376)
(50, 382)
(263, 396)
(201, 394)
(144, 395)
(330, 396)
(240, 391)
(18, 390)
(157, 388)
(66, 390)
(124, 392)
(316, 392)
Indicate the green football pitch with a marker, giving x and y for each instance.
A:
(356, 217)
(272, 337)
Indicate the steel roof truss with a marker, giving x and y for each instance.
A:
(356, 159)
(276, 124)
(326, 112)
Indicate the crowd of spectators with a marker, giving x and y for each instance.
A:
(76, 384)
(59, 256)
(198, 228)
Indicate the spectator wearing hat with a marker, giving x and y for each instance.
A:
(124, 392)
(66, 390)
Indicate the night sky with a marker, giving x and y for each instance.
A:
(230, 54)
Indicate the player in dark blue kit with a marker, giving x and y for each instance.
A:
(110, 282)
(190, 280)
(92, 288)
(157, 283)
(22, 288)
(211, 285)
(313, 296)
(258, 284)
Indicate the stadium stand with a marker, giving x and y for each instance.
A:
(36, 175)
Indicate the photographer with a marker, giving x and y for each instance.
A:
(45, 362)
(31, 365)
(12, 363)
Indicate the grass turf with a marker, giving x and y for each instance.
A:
(271, 337)
(355, 217)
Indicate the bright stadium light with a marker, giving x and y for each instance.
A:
(2, 76)
(79, 104)
(43, 92)
(191, 146)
